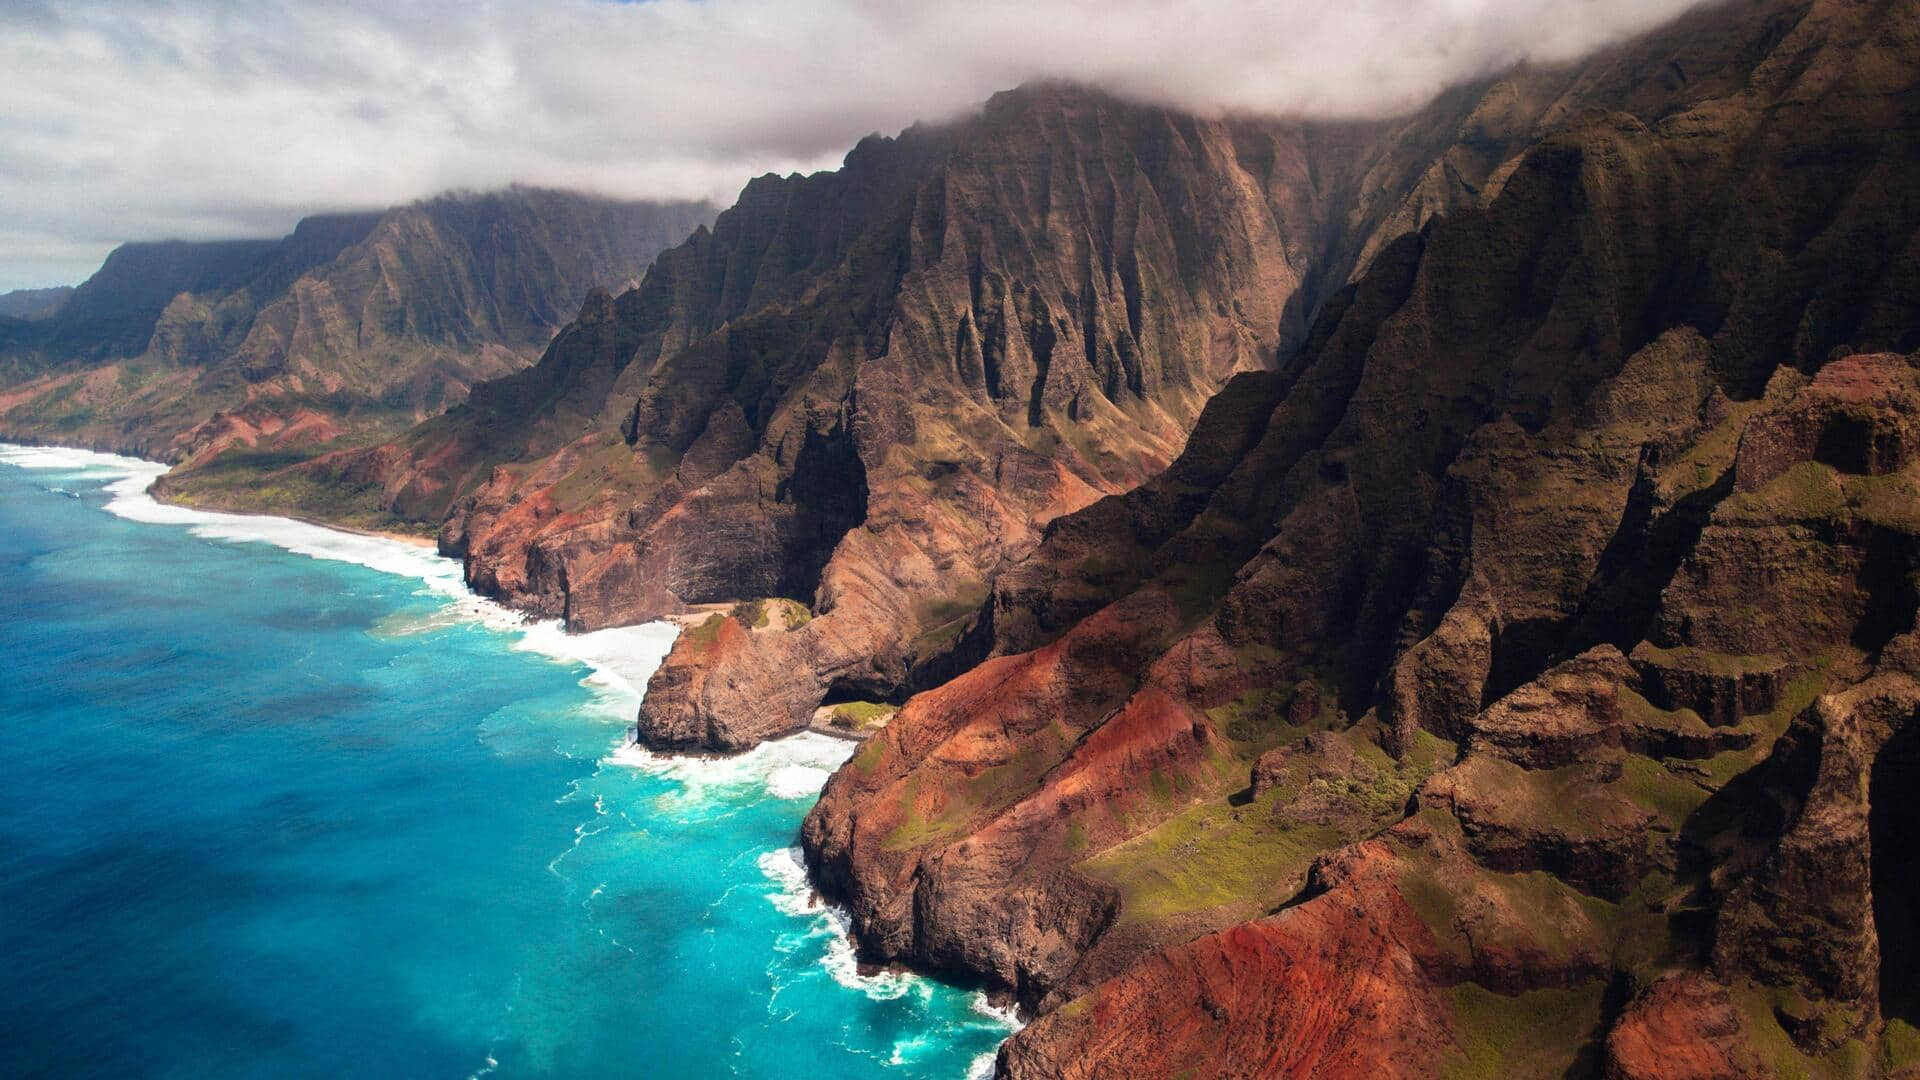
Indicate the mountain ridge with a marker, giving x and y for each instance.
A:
(1501, 684)
(967, 330)
(349, 328)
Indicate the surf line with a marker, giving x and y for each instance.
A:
(621, 659)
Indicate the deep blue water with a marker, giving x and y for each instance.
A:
(269, 815)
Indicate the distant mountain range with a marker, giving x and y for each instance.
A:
(353, 327)
(30, 304)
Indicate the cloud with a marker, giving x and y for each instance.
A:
(235, 117)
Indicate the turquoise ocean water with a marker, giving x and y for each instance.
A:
(281, 802)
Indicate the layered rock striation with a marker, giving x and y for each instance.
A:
(868, 391)
(1518, 680)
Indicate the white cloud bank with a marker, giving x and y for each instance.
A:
(146, 120)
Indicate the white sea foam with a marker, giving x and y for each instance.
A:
(621, 659)
(795, 767)
(796, 781)
(60, 457)
(830, 925)
(793, 895)
(787, 868)
(1008, 1015)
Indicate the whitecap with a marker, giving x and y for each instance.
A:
(909, 1049)
(1006, 1015)
(786, 867)
(60, 457)
(793, 767)
(793, 895)
(623, 658)
(796, 781)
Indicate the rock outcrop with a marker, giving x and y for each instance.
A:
(1581, 530)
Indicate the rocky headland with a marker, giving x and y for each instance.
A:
(1518, 680)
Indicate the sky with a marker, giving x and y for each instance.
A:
(150, 119)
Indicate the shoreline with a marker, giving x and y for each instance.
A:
(16, 442)
(376, 534)
(616, 657)
(782, 780)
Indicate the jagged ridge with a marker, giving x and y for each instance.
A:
(1529, 556)
(352, 327)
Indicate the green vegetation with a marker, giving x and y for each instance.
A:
(704, 635)
(1565, 798)
(1712, 454)
(611, 467)
(1195, 586)
(1654, 787)
(962, 801)
(1899, 1045)
(1161, 786)
(861, 715)
(1538, 910)
(1536, 1033)
(940, 610)
(1243, 859)
(1256, 721)
(1808, 491)
(917, 827)
(265, 482)
(1689, 658)
(869, 755)
(1762, 1007)
(1098, 566)
(760, 614)
(1638, 710)
(943, 618)
(1435, 905)
(1892, 501)
(1799, 693)
(932, 641)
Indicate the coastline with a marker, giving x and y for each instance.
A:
(20, 442)
(611, 863)
(620, 661)
(620, 658)
(378, 534)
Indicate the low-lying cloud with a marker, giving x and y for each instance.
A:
(215, 119)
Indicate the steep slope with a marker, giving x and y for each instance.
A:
(352, 327)
(1518, 677)
(866, 391)
(33, 304)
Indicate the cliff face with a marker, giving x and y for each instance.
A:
(1517, 679)
(868, 390)
(351, 328)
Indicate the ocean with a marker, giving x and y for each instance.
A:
(282, 801)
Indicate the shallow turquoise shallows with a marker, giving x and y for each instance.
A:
(267, 814)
